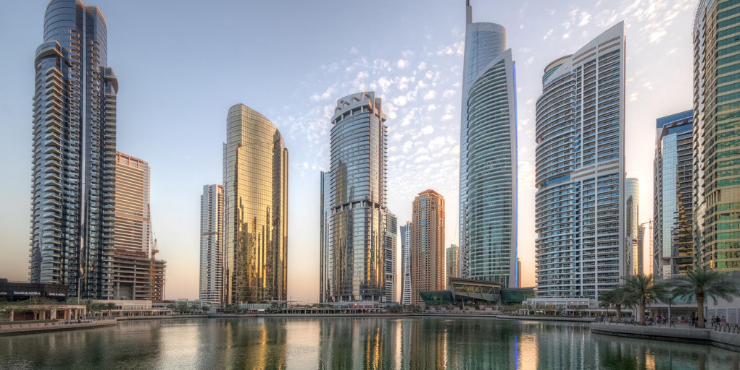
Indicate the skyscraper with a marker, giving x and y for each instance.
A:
(452, 262)
(716, 188)
(132, 243)
(631, 222)
(672, 184)
(390, 241)
(211, 243)
(74, 153)
(488, 157)
(427, 243)
(579, 203)
(355, 202)
(406, 231)
(255, 209)
(132, 204)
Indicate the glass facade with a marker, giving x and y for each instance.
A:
(672, 186)
(406, 232)
(74, 153)
(427, 244)
(716, 134)
(256, 209)
(579, 203)
(631, 223)
(390, 241)
(211, 243)
(488, 159)
(354, 203)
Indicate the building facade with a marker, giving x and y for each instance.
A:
(354, 206)
(136, 276)
(631, 223)
(255, 226)
(488, 156)
(132, 204)
(210, 283)
(453, 263)
(427, 244)
(406, 232)
(74, 153)
(390, 242)
(716, 166)
(672, 195)
(579, 203)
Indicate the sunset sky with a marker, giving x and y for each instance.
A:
(182, 64)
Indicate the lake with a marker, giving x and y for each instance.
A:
(351, 343)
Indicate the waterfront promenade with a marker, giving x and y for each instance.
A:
(678, 333)
(37, 327)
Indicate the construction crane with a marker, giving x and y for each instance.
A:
(152, 262)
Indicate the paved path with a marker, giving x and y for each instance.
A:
(33, 328)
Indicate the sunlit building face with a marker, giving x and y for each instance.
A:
(256, 209)
(354, 202)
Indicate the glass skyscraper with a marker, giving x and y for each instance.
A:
(354, 202)
(211, 243)
(74, 153)
(631, 223)
(255, 209)
(579, 203)
(406, 231)
(716, 131)
(488, 158)
(672, 189)
(390, 241)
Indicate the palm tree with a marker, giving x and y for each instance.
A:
(641, 289)
(613, 297)
(703, 284)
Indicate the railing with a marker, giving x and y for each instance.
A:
(724, 327)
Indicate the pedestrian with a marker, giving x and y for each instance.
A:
(671, 323)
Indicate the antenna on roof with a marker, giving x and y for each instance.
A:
(467, 2)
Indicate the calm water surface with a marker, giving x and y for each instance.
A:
(350, 343)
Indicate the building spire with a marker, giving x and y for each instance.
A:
(468, 12)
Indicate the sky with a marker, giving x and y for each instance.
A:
(182, 64)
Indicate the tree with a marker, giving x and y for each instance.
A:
(37, 305)
(110, 307)
(613, 297)
(703, 284)
(641, 289)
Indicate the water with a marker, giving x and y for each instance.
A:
(351, 343)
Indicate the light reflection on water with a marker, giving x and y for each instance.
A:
(346, 343)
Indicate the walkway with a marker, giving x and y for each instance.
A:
(19, 327)
(679, 333)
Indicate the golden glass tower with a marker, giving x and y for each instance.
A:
(256, 209)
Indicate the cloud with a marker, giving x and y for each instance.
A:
(422, 158)
(585, 19)
(427, 130)
(353, 50)
(437, 143)
(422, 66)
(407, 146)
(448, 93)
(397, 136)
(430, 95)
(548, 34)
(431, 108)
(422, 150)
(402, 63)
(633, 96)
(448, 112)
(657, 35)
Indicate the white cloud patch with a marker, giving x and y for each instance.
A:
(402, 63)
(448, 93)
(430, 95)
(422, 66)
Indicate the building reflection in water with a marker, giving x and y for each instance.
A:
(352, 343)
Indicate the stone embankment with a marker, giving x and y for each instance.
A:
(681, 334)
(20, 328)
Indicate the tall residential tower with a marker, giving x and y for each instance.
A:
(74, 153)
(211, 243)
(716, 167)
(355, 202)
(631, 223)
(406, 231)
(255, 209)
(579, 204)
(672, 184)
(488, 157)
(427, 244)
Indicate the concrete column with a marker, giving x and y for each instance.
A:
(53, 314)
(12, 314)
